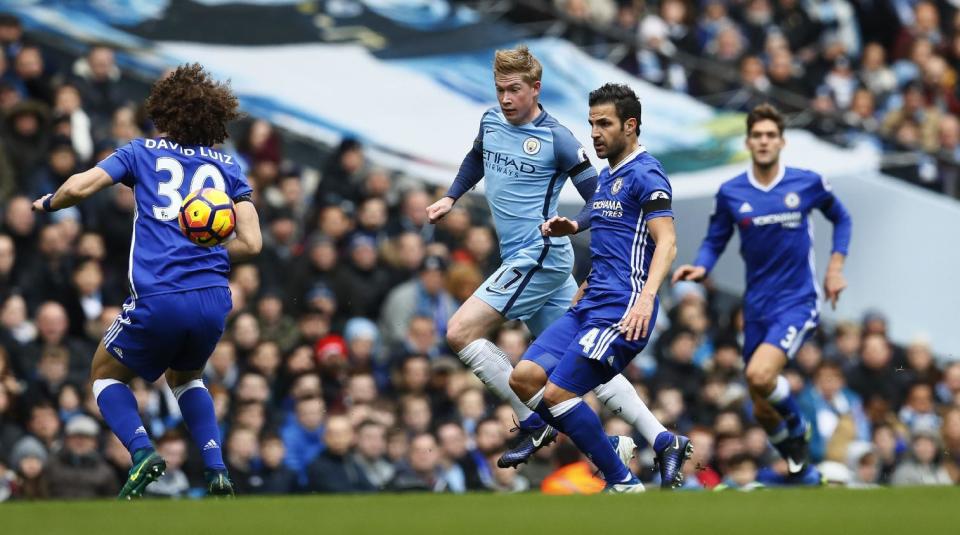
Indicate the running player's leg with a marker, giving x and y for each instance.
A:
(209, 308)
(129, 350)
(117, 404)
(563, 407)
(467, 333)
(528, 381)
(618, 394)
(517, 290)
(774, 406)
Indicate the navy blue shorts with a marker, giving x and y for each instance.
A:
(174, 330)
(787, 328)
(584, 348)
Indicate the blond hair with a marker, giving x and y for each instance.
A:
(517, 61)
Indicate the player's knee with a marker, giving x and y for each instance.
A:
(525, 381)
(761, 379)
(459, 335)
(554, 395)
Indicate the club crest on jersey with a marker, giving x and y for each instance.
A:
(531, 145)
(616, 186)
(792, 200)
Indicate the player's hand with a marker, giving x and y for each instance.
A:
(38, 204)
(637, 322)
(833, 284)
(687, 272)
(559, 226)
(437, 210)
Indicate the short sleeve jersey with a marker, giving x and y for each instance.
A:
(161, 173)
(524, 170)
(628, 196)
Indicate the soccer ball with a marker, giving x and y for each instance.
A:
(207, 217)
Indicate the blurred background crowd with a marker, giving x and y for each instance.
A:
(333, 374)
(882, 72)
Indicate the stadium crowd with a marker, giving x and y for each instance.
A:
(333, 374)
(881, 72)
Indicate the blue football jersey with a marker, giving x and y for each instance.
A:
(776, 235)
(161, 173)
(524, 170)
(628, 195)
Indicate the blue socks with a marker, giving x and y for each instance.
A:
(664, 438)
(534, 421)
(792, 418)
(119, 410)
(786, 406)
(196, 406)
(578, 421)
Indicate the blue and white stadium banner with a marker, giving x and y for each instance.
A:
(381, 71)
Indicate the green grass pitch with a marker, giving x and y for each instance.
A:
(911, 511)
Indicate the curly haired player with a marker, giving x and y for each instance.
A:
(179, 297)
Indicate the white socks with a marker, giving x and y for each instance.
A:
(179, 390)
(101, 384)
(564, 407)
(781, 391)
(622, 399)
(493, 367)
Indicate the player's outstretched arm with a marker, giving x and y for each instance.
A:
(471, 171)
(77, 188)
(637, 323)
(248, 241)
(834, 282)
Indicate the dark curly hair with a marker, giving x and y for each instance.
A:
(623, 99)
(191, 107)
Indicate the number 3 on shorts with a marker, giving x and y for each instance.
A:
(587, 340)
(789, 338)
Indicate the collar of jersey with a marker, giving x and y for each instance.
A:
(536, 122)
(630, 157)
(776, 180)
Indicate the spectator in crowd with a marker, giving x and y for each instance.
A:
(835, 413)
(334, 470)
(923, 465)
(425, 296)
(277, 478)
(174, 483)
(28, 460)
(370, 454)
(875, 375)
(78, 470)
(303, 437)
(421, 470)
(101, 87)
(453, 446)
(361, 282)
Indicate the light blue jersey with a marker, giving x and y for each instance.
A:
(525, 168)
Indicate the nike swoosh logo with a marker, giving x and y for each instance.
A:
(136, 474)
(793, 466)
(539, 440)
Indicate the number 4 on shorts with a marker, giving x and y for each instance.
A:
(588, 340)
